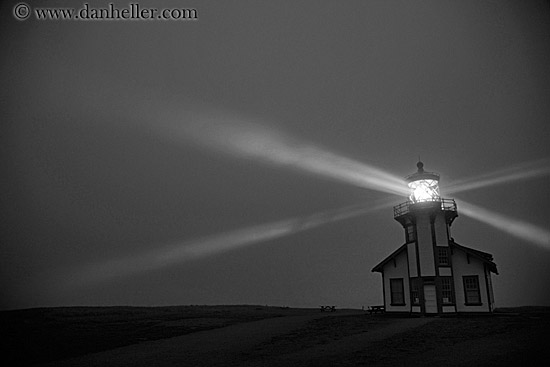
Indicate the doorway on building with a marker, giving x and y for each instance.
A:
(430, 298)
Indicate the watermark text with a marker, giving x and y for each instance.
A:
(134, 11)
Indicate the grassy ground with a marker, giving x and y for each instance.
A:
(506, 339)
(511, 337)
(49, 334)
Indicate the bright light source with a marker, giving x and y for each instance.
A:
(424, 186)
(424, 190)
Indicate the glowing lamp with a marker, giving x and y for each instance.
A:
(424, 186)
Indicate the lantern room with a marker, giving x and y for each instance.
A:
(424, 186)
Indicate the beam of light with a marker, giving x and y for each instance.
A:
(245, 137)
(237, 136)
(522, 171)
(213, 245)
(515, 227)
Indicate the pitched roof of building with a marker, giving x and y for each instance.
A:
(483, 256)
(379, 267)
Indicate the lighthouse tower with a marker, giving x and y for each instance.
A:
(431, 273)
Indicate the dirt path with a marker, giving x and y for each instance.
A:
(325, 354)
(232, 345)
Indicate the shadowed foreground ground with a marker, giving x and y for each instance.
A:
(269, 336)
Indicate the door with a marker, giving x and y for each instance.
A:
(430, 298)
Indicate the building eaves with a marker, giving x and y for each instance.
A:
(483, 256)
(379, 267)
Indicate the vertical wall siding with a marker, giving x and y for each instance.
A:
(490, 286)
(460, 268)
(425, 245)
(441, 230)
(448, 309)
(411, 251)
(398, 271)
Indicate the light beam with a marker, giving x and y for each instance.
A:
(517, 172)
(237, 136)
(213, 245)
(515, 227)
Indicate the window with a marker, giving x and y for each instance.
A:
(446, 290)
(409, 233)
(397, 292)
(415, 291)
(443, 256)
(471, 290)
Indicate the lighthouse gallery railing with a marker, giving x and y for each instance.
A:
(405, 208)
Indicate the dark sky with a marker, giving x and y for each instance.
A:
(129, 149)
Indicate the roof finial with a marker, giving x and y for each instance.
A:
(420, 165)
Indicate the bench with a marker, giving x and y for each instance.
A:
(376, 309)
(328, 308)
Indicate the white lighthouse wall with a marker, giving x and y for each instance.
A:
(397, 268)
(490, 286)
(441, 230)
(461, 268)
(411, 252)
(425, 245)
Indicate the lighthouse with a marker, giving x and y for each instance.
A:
(430, 273)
